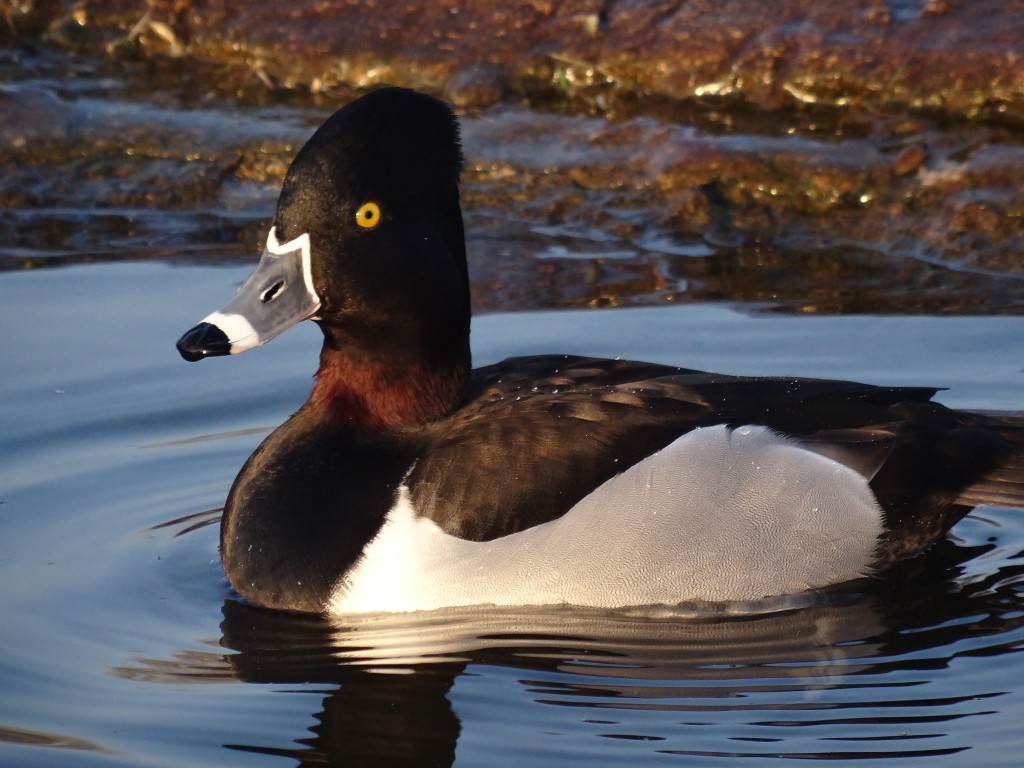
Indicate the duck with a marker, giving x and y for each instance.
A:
(410, 481)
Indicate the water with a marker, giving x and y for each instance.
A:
(127, 211)
(122, 644)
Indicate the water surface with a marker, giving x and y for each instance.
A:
(123, 645)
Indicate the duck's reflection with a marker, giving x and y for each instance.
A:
(392, 715)
(388, 679)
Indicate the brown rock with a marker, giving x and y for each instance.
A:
(963, 58)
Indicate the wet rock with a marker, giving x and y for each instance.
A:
(31, 116)
(908, 160)
(476, 86)
(777, 155)
(960, 58)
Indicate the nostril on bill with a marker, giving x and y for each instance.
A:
(272, 291)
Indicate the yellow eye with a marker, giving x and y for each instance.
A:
(368, 215)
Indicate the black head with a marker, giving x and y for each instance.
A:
(392, 143)
(376, 189)
(367, 233)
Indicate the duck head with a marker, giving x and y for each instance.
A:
(367, 241)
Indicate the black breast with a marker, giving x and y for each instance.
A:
(302, 510)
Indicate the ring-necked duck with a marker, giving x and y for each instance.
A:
(410, 481)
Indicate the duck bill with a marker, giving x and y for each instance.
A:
(275, 297)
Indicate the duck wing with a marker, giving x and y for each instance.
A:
(535, 435)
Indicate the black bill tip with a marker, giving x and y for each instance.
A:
(205, 340)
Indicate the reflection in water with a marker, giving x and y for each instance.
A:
(43, 739)
(852, 676)
(372, 718)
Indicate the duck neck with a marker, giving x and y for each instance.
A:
(371, 391)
